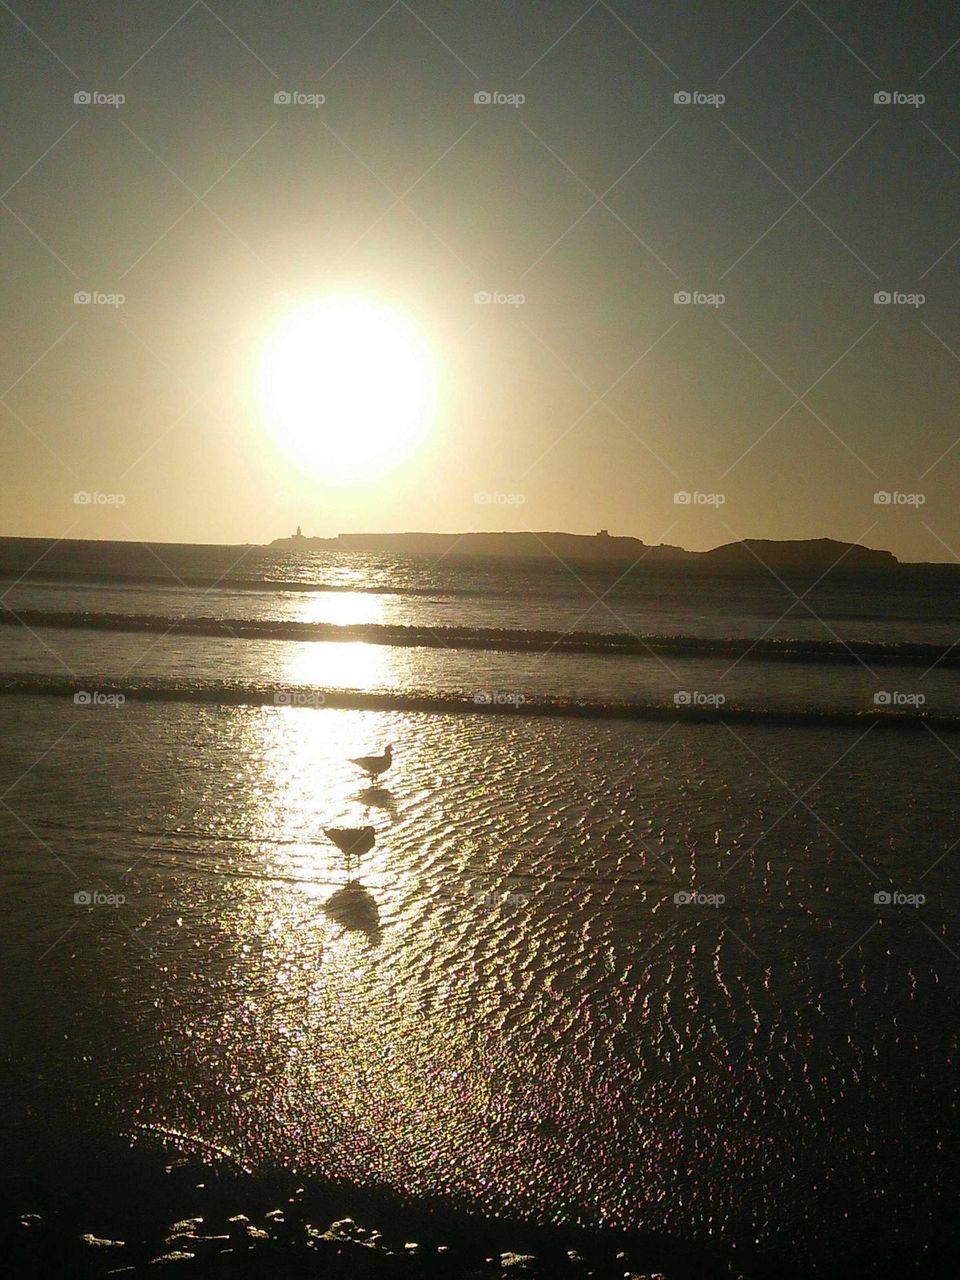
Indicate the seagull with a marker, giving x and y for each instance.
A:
(353, 842)
(373, 766)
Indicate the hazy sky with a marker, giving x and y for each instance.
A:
(214, 210)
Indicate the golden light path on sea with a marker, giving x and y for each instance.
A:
(354, 1057)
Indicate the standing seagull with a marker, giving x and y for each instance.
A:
(353, 842)
(373, 766)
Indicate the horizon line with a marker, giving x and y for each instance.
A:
(473, 533)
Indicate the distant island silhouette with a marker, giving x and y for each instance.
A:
(801, 553)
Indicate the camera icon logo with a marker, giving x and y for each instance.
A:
(82, 698)
(82, 498)
(82, 98)
(82, 298)
(683, 897)
(882, 98)
(882, 498)
(282, 98)
(83, 897)
(682, 498)
(283, 698)
(483, 98)
(482, 698)
(882, 298)
(681, 698)
(483, 299)
(883, 897)
(683, 298)
(682, 98)
(882, 698)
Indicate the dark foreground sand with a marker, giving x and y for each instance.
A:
(122, 1212)
(78, 1202)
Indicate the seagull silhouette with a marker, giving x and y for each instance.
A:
(373, 766)
(353, 842)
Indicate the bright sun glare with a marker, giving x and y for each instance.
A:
(347, 385)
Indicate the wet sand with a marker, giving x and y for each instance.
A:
(545, 1015)
(98, 1209)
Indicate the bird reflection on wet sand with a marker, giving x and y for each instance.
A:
(354, 908)
(378, 798)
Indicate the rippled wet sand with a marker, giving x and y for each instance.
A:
(514, 1009)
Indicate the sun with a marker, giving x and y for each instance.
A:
(347, 386)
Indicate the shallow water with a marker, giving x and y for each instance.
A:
(285, 669)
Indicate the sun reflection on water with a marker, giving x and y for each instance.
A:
(343, 1000)
(354, 665)
(343, 608)
(306, 783)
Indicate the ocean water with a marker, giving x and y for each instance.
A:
(631, 970)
